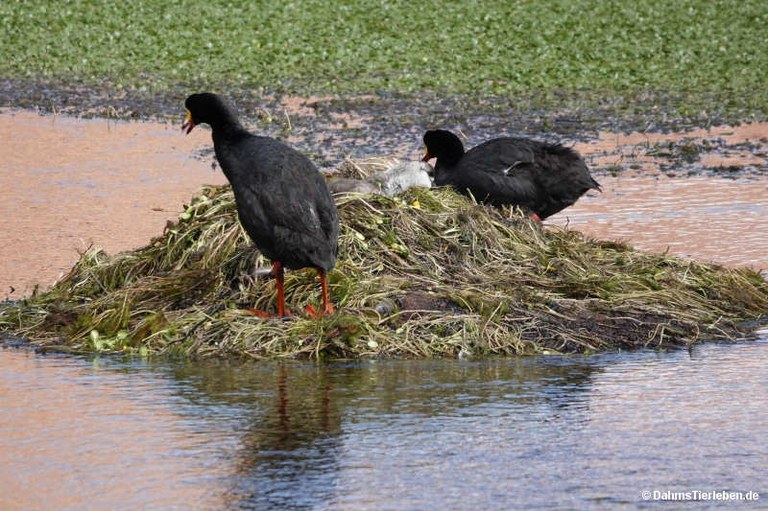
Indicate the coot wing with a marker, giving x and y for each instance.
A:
(498, 188)
(500, 171)
(498, 156)
(563, 175)
(285, 206)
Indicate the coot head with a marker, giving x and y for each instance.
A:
(443, 145)
(207, 108)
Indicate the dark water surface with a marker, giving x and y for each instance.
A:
(542, 432)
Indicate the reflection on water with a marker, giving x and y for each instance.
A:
(546, 432)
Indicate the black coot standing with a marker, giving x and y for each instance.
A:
(539, 177)
(282, 200)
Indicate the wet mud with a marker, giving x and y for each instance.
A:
(725, 151)
(332, 126)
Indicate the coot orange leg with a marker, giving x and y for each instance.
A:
(258, 312)
(327, 305)
(279, 273)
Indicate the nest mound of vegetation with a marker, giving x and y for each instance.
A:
(426, 274)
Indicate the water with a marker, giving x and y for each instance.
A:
(566, 432)
(68, 183)
(529, 433)
(701, 217)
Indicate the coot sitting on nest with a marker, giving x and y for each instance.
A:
(282, 200)
(539, 177)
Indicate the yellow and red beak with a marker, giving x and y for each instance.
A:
(427, 156)
(189, 124)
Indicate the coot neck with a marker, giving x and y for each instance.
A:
(449, 154)
(445, 166)
(227, 127)
(227, 132)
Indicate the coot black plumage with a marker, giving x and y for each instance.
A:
(282, 200)
(540, 177)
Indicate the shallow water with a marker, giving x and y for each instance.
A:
(67, 183)
(710, 203)
(708, 218)
(546, 432)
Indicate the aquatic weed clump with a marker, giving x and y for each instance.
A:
(426, 274)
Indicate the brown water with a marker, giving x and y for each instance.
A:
(67, 183)
(707, 218)
(718, 217)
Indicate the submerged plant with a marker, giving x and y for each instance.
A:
(425, 274)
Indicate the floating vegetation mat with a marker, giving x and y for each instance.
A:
(426, 274)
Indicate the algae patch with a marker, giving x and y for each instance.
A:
(425, 274)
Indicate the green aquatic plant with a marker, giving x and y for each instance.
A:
(425, 274)
(563, 51)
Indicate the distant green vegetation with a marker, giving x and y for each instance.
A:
(358, 46)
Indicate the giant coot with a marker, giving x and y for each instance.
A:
(282, 200)
(539, 177)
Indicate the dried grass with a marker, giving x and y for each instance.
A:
(427, 274)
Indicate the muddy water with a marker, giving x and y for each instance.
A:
(712, 206)
(67, 183)
(531, 433)
(706, 218)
